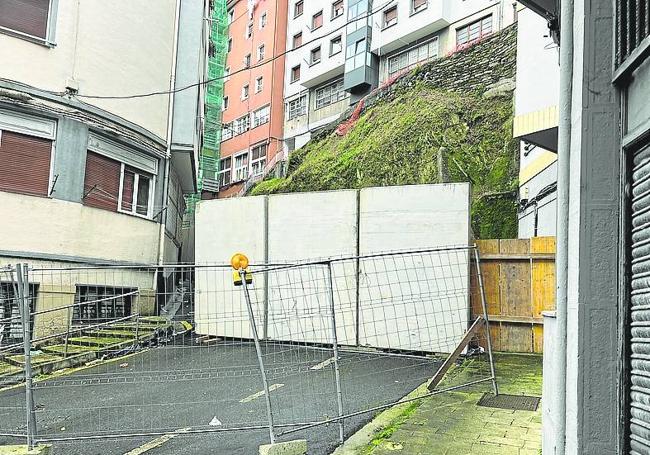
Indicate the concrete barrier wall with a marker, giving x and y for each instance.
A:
(304, 226)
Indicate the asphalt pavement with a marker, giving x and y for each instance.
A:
(190, 388)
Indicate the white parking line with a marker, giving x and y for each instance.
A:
(260, 393)
(323, 364)
(156, 442)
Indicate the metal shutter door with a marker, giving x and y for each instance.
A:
(102, 182)
(640, 306)
(24, 163)
(26, 16)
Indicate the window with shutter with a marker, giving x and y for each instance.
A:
(317, 20)
(24, 163)
(102, 182)
(390, 16)
(25, 16)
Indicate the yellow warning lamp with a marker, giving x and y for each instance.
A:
(239, 262)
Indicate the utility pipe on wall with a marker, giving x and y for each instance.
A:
(168, 153)
(563, 176)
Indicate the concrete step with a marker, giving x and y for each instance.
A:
(115, 333)
(37, 359)
(72, 349)
(101, 342)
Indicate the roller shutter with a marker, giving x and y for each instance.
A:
(24, 163)
(102, 182)
(640, 305)
(25, 16)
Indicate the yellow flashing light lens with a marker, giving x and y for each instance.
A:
(239, 261)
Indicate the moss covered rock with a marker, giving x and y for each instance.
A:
(396, 142)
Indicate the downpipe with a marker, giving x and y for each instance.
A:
(168, 152)
(558, 411)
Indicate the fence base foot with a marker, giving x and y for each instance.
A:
(297, 447)
(22, 450)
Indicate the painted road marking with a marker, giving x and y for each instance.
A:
(157, 442)
(215, 422)
(323, 364)
(255, 396)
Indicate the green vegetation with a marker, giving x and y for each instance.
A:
(388, 431)
(396, 142)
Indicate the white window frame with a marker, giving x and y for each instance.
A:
(385, 24)
(334, 16)
(402, 58)
(295, 8)
(340, 40)
(299, 107)
(291, 74)
(224, 171)
(259, 84)
(313, 20)
(134, 202)
(263, 20)
(255, 169)
(261, 116)
(293, 40)
(245, 91)
(422, 7)
(261, 50)
(226, 102)
(248, 34)
(235, 176)
(329, 94)
(313, 61)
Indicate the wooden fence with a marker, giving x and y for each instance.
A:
(519, 282)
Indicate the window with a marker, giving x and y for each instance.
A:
(114, 186)
(241, 125)
(297, 40)
(225, 171)
(263, 20)
(259, 84)
(244, 92)
(330, 94)
(315, 56)
(235, 128)
(418, 5)
(297, 107)
(337, 9)
(336, 45)
(249, 30)
(357, 11)
(226, 74)
(104, 303)
(231, 16)
(28, 17)
(298, 8)
(229, 44)
(412, 57)
(260, 52)
(261, 116)
(24, 163)
(357, 55)
(390, 16)
(474, 31)
(317, 20)
(247, 61)
(258, 159)
(136, 192)
(11, 328)
(295, 73)
(241, 167)
(226, 101)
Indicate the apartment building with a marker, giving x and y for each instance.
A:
(89, 170)
(252, 127)
(340, 50)
(536, 124)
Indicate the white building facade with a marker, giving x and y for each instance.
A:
(340, 51)
(92, 171)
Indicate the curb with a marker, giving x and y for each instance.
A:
(366, 434)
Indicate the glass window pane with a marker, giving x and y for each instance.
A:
(142, 204)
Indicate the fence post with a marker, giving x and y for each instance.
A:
(335, 348)
(23, 295)
(258, 349)
(487, 320)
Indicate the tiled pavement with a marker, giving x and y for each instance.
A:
(452, 423)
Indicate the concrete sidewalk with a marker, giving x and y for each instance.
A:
(452, 423)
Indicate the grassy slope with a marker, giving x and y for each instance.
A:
(396, 141)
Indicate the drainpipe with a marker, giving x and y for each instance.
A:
(563, 178)
(168, 152)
